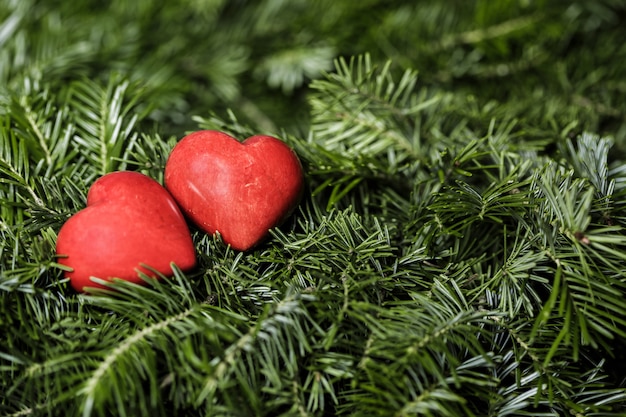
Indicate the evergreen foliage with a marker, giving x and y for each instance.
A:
(460, 249)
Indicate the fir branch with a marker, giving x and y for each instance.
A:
(289, 69)
(518, 279)
(495, 31)
(420, 384)
(459, 250)
(383, 121)
(589, 305)
(96, 381)
(15, 169)
(104, 123)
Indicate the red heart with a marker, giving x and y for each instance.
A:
(240, 190)
(130, 219)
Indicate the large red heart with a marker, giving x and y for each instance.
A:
(130, 220)
(239, 189)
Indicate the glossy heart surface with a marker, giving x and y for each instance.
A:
(130, 221)
(239, 189)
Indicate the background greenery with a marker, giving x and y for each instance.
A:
(460, 249)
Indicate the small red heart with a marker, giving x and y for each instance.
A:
(239, 189)
(130, 219)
